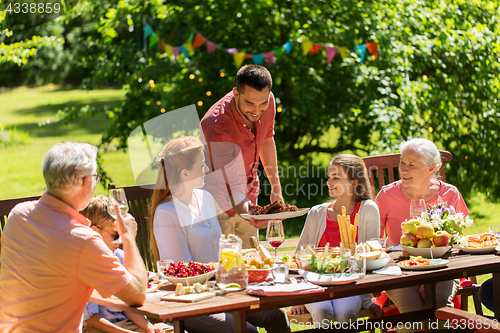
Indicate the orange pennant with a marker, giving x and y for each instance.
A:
(199, 40)
(372, 47)
(315, 49)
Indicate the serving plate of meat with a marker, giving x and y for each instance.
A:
(276, 210)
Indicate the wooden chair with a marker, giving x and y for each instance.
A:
(7, 205)
(385, 167)
(138, 203)
(473, 321)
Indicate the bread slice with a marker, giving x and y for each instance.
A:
(375, 246)
(370, 255)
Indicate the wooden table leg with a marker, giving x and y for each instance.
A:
(179, 326)
(496, 294)
(239, 322)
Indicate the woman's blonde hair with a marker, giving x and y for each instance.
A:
(97, 212)
(178, 154)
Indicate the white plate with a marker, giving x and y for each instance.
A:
(151, 275)
(223, 288)
(479, 250)
(437, 252)
(377, 263)
(328, 279)
(190, 280)
(433, 264)
(276, 216)
(154, 287)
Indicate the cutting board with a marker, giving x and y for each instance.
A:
(188, 298)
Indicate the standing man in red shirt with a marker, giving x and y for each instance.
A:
(237, 131)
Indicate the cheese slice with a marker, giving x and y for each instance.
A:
(179, 289)
(263, 252)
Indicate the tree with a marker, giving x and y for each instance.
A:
(365, 107)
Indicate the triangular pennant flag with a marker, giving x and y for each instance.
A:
(306, 46)
(372, 47)
(162, 45)
(176, 53)
(211, 47)
(199, 40)
(361, 50)
(232, 51)
(184, 51)
(279, 52)
(147, 30)
(258, 59)
(269, 56)
(248, 56)
(238, 59)
(169, 49)
(189, 48)
(343, 52)
(315, 49)
(190, 39)
(288, 46)
(153, 39)
(330, 53)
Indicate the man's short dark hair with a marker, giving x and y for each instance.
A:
(254, 76)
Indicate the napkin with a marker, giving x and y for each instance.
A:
(284, 289)
(391, 270)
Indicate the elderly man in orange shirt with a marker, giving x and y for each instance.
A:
(52, 260)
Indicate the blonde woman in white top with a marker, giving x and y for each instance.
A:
(348, 183)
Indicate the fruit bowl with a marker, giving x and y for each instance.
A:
(437, 251)
(258, 275)
(377, 263)
(189, 281)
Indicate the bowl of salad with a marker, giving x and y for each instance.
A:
(323, 262)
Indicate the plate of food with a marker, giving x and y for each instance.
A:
(291, 262)
(152, 287)
(276, 210)
(328, 279)
(151, 275)
(479, 244)
(420, 263)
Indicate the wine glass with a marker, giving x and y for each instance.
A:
(275, 235)
(117, 197)
(417, 207)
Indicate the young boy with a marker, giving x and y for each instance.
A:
(99, 318)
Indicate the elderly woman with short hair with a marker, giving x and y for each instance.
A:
(419, 166)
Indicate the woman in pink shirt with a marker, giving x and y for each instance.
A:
(419, 170)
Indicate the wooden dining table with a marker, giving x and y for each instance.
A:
(461, 265)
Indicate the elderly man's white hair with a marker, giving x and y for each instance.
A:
(65, 164)
(427, 149)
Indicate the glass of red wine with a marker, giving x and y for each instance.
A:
(275, 235)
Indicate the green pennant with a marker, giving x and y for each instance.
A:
(153, 39)
(191, 37)
(279, 52)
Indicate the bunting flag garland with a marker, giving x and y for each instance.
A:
(343, 52)
(196, 39)
(306, 46)
(361, 50)
(199, 40)
(147, 30)
(211, 47)
(372, 47)
(238, 58)
(258, 59)
(269, 56)
(330, 53)
(315, 49)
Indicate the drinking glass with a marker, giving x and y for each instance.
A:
(117, 197)
(494, 230)
(275, 235)
(417, 207)
(357, 265)
(161, 265)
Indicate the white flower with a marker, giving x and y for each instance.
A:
(462, 241)
(467, 222)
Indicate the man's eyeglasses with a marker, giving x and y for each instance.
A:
(115, 235)
(97, 177)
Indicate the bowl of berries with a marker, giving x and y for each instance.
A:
(188, 273)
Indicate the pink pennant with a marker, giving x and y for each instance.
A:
(176, 53)
(232, 51)
(269, 56)
(211, 47)
(330, 53)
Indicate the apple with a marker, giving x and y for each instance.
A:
(441, 238)
(408, 240)
(425, 230)
(410, 227)
(424, 242)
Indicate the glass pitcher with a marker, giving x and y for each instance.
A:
(231, 264)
